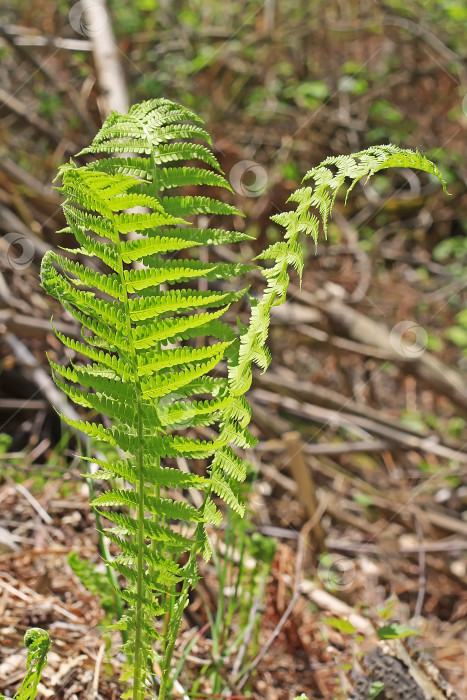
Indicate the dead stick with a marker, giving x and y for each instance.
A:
(114, 94)
(306, 493)
(358, 423)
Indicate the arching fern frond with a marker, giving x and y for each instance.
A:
(327, 180)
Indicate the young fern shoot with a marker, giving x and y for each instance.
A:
(37, 642)
(151, 340)
(140, 336)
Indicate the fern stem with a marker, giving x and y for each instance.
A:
(140, 664)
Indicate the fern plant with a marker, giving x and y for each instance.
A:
(152, 338)
(37, 642)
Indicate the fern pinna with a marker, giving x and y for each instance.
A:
(152, 339)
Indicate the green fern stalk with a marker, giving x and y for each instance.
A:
(151, 341)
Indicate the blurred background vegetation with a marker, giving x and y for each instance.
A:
(281, 83)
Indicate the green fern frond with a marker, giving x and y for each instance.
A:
(173, 271)
(96, 432)
(209, 236)
(176, 239)
(226, 488)
(321, 197)
(95, 582)
(134, 167)
(152, 339)
(101, 334)
(142, 248)
(108, 312)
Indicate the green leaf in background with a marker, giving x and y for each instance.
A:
(341, 625)
(95, 582)
(5, 442)
(387, 611)
(396, 631)
(311, 94)
(457, 335)
(263, 548)
(376, 689)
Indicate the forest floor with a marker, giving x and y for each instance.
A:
(361, 461)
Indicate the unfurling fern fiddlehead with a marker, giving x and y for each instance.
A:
(37, 642)
(151, 347)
